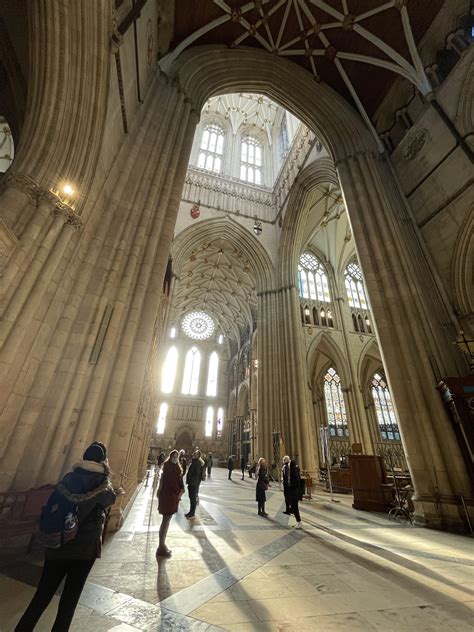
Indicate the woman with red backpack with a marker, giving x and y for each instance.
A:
(71, 525)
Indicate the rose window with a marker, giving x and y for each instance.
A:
(198, 325)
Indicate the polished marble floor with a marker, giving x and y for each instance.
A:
(233, 570)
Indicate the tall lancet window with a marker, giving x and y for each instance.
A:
(312, 279)
(211, 149)
(335, 405)
(160, 427)
(191, 372)
(209, 421)
(251, 160)
(169, 370)
(212, 375)
(355, 286)
(384, 409)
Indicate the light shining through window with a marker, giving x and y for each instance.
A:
(191, 372)
(160, 427)
(209, 421)
(212, 375)
(169, 370)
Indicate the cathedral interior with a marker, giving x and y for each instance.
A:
(245, 228)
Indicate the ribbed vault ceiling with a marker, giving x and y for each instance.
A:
(355, 46)
(217, 278)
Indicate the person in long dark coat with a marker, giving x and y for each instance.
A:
(170, 490)
(285, 475)
(230, 467)
(193, 480)
(243, 463)
(262, 486)
(88, 486)
(294, 492)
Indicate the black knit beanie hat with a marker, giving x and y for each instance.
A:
(95, 452)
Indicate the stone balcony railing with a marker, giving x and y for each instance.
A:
(232, 195)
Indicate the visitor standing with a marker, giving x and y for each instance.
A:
(209, 464)
(183, 462)
(285, 475)
(230, 467)
(170, 490)
(72, 523)
(161, 459)
(295, 492)
(262, 486)
(193, 480)
(243, 463)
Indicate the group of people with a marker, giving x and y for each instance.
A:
(292, 484)
(72, 521)
(175, 472)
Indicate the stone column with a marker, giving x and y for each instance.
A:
(414, 331)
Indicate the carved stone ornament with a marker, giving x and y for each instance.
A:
(38, 196)
(414, 145)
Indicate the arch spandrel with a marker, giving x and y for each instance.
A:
(206, 71)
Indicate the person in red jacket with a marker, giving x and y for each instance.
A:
(170, 490)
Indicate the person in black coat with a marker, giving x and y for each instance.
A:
(243, 463)
(193, 480)
(262, 486)
(89, 488)
(230, 466)
(294, 492)
(285, 474)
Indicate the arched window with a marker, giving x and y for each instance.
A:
(335, 406)
(160, 426)
(386, 417)
(220, 421)
(354, 323)
(361, 324)
(251, 160)
(330, 319)
(209, 421)
(322, 313)
(211, 149)
(315, 316)
(355, 286)
(312, 279)
(367, 323)
(169, 370)
(191, 372)
(212, 375)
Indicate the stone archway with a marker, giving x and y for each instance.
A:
(184, 440)
(102, 399)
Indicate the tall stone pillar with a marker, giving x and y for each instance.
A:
(413, 328)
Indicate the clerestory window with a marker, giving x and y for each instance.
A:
(312, 279)
(212, 375)
(211, 149)
(251, 160)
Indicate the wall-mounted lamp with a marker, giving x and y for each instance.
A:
(257, 228)
(306, 311)
(255, 363)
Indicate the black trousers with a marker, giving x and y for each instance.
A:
(54, 571)
(193, 491)
(294, 509)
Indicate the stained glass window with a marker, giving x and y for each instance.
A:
(198, 325)
(220, 421)
(251, 160)
(160, 427)
(312, 279)
(191, 372)
(211, 149)
(335, 406)
(209, 421)
(169, 370)
(386, 417)
(212, 375)
(355, 286)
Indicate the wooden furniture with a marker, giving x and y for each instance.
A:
(341, 480)
(369, 483)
